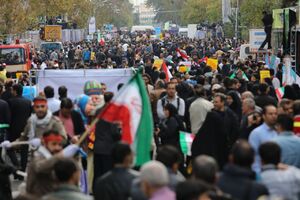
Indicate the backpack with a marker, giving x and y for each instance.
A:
(163, 102)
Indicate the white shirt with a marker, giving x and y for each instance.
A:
(53, 104)
(198, 111)
(160, 109)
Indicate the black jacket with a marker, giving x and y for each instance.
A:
(20, 112)
(115, 184)
(5, 189)
(4, 119)
(264, 100)
(240, 183)
(231, 126)
(169, 132)
(106, 135)
(77, 122)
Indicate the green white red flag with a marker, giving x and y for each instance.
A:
(186, 140)
(279, 92)
(131, 107)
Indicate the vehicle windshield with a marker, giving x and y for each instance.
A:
(12, 56)
(46, 47)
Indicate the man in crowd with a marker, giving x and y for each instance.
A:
(263, 133)
(40, 179)
(67, 172)
(199, 109)
(116, 184)
(20, 112)
(229, 119)
(237, 178)
(53, 103)
(171, 158)
(41, 121)
(288, 142)
(263, 97)
(284, 182)
(172, 98)
(71, 119)
(154, 181)
(250, 118)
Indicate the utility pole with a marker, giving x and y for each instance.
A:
(236, 19)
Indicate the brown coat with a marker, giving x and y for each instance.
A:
(40, 176)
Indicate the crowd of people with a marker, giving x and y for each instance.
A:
(246, 138)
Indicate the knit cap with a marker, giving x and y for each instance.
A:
(92, 88)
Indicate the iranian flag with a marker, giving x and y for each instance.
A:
(131, 108)
(181, 54)
(279, 92)
(186, 140)
(167, 71)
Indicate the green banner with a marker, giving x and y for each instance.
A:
(278, 18)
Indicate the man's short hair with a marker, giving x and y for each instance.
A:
(284, 102)
(64, 169)
(49, 92)
(62, 91)
(242, 153)
(250, 103)
(119, 152)
(205, 168)
(265, 108)
(199, 90)
(155, 174)
(66, 103)
(263, 88)
(286, 122)
(270, 153)
(18, 88)
(168, 155)
(221, 95)
(247, 95)
(108, 96)
(296, 107)
(191, 189)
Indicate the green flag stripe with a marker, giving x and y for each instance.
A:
(183, 143)
(145, 129)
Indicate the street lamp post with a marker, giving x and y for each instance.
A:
(236, 19)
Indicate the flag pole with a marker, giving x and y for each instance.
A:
(87, 131)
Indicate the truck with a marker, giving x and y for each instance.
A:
(17, 57)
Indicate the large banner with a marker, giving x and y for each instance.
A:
(256, 38)
(278, 18)
(74, 79)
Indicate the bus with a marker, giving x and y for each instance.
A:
(17, 57)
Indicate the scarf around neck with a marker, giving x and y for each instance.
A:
(35, 121)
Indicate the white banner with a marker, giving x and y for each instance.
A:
(257, 37)
(92, 25)
(74, 80)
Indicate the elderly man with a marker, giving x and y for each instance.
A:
(154, 180)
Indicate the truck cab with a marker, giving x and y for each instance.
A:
(51, 46)
(17, 57)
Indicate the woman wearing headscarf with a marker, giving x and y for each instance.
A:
(168, 131)
(211, 139)
(234, 103)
